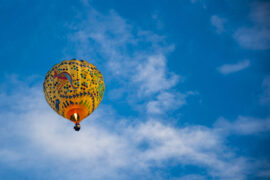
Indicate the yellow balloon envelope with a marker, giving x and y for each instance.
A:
(74, 89)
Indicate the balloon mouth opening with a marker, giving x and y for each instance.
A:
(76, 113)
(75, 117)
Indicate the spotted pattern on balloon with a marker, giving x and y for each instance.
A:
(74, 83)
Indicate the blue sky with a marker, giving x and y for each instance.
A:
(187, 89)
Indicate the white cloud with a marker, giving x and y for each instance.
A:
(153, 75)
(253, 38)
(258, 36)
(115, 42)
(167, 101)
(133, 57)
(106, 147)
(231, 68)
(243, 125)
(218, 23)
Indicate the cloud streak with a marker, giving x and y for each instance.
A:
(232, 68)
(243, 125)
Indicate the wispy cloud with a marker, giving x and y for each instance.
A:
(243, 125)
(254, 38)
(251, 126)
(218, 23)
(103, 147)
(164, 102)
(153, 76)
(115, 43)
(133, 57)
(258, 36)
(231, 68)
(167, 101)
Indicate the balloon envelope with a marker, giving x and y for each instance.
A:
(74, 89)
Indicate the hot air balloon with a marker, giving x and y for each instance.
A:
(74, 89)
